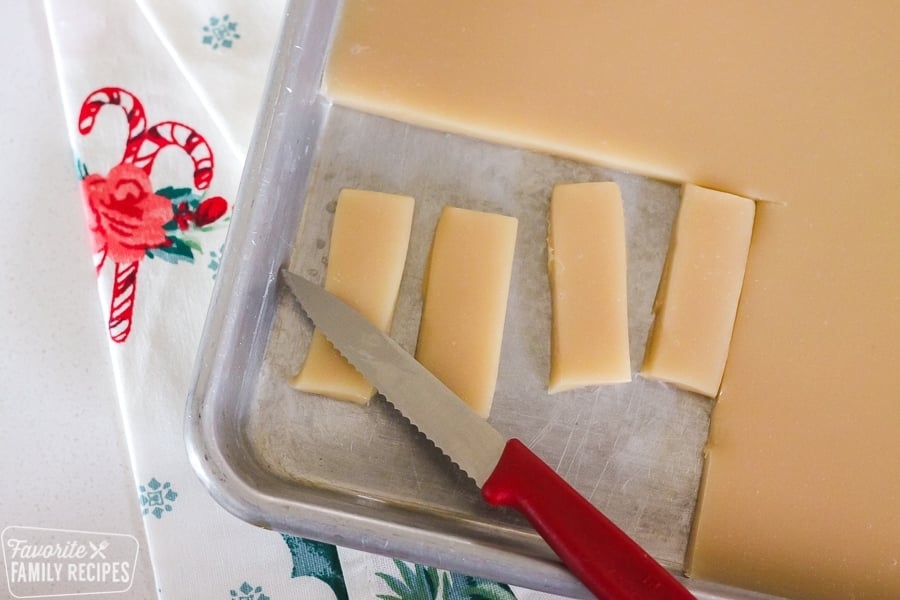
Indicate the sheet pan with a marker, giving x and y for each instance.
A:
(360, 476)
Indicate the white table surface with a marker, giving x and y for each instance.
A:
(63, 455)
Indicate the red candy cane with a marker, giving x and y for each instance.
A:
(134, 111)
(141, 149)
(122, 303)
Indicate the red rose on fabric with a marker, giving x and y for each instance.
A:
(124, 215)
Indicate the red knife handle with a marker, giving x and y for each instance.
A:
(608, 562)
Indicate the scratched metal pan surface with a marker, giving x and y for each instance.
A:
(359, 476)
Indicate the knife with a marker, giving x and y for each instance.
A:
(609, 563)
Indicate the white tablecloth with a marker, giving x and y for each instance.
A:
(156, 108)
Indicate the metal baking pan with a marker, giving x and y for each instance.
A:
(359, 476)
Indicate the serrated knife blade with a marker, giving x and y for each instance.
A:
(446, 420)
(601, 555)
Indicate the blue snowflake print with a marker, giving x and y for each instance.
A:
(220, 32)
(157, 498)
(215, 259)
(248, 592)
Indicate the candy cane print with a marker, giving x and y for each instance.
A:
(122, 303)
(125, 276)
(134, 111)
(143, 150)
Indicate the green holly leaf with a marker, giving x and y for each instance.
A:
(177, 251)
(193, 244)
(319, 560)
(396, 586)
(419, 584)
(174, 193)
(179, 247)
(468, 587)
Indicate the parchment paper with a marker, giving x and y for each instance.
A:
(635, 450)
